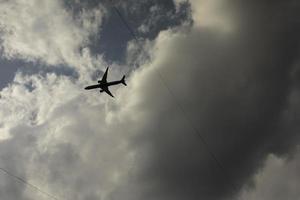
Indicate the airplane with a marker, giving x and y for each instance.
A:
(103, 84)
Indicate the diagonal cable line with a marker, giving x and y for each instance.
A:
(23, 181)
(179, 105)
(125, 23)
(189, 120)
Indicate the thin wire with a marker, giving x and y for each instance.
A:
(181, 108)
(189, 120)
(126, 24)
(22, 180)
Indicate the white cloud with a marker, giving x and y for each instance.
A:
(71, 150)
(61, 136)
(211, 14)
(45, 31)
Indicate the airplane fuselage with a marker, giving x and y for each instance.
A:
(103, 85)
(110, 83)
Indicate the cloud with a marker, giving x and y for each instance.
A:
(211, 14)
(58, 142)
(279, 179)
(46, 31)
(235, 87)
(239, 89)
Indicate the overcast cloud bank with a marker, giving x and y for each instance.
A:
(235, 74)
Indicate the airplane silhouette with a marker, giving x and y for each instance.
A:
(103, 84)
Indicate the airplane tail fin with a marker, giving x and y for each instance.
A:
(123, 81)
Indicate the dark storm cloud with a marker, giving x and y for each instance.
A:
(235, 89)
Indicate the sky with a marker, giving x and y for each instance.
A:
(211, 110)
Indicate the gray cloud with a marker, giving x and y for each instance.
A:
(278, 180)
(235, 86)
(239, 87)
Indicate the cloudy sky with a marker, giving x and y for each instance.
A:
(225, 70)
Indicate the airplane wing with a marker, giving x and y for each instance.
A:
(107, 91)
(104, 77)
(92, 87)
